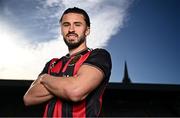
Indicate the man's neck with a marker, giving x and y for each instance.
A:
(78, 49)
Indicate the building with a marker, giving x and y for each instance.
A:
(120, 99)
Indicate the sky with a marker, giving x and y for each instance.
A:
(149, 42)
(144, 33)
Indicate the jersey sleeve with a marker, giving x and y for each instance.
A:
(45, 69)
(101, 59)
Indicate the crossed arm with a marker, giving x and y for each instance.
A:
(74, 88)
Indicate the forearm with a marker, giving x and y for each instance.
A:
(37, 94)
(74, 88)
(36, 100)
(61, 87)
(55, 86)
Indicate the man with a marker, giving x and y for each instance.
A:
(73, 85)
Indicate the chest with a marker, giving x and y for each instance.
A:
(66, 66)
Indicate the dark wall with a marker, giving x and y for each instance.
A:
(119, 100)
(142, 100)
(11, 101)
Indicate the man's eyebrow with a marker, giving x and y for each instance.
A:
(65, 23)
(74, 22)
(78, 22)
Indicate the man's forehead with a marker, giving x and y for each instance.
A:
(72, 16)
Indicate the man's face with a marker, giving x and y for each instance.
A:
(74, 29)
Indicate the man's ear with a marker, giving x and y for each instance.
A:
(87, 31)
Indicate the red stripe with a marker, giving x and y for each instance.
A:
(79, 109)
(45, 112)
(58, 109)
(57, 67)
(100, 101)
(80, 61)
(52, 61)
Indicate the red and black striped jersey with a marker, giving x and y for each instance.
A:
(68, 66)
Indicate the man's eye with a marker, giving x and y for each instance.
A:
(65, 24)
(78, 24)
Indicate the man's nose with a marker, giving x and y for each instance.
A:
(71, 28)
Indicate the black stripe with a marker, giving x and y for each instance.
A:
(92, 101)
(51, 106)
(67, 109)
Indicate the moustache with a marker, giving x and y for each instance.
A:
(71, 33)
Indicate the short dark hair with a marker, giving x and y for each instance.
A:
(79, 11)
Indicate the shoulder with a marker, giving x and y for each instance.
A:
(49, 64)
(100, 58)
(100, 51)
(101, 54)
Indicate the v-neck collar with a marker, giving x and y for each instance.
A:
(78, 53)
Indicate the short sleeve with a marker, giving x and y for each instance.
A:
(45, 69)
(101, 59)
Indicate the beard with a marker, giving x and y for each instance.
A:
(73, 45)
